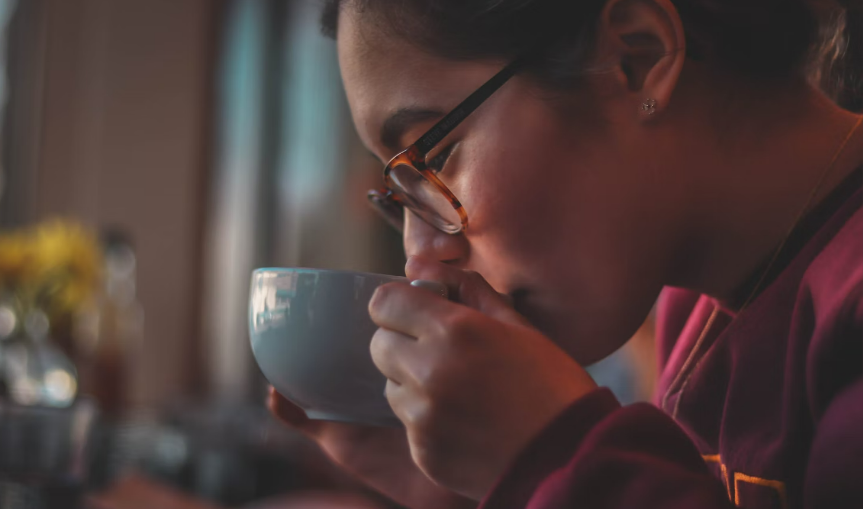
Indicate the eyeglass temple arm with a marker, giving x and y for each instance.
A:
(384, 202)
(445, 125)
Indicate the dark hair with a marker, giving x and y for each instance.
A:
(821, 39)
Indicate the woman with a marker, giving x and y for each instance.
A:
(613, 148)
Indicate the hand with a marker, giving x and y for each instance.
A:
(380, 457)
(471, 380)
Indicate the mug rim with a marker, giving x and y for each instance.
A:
(264, 270)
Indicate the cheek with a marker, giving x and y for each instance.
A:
(514, 172)
(551, 209)
(513, 194)
(540, 192)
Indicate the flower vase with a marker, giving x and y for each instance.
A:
(35, 372)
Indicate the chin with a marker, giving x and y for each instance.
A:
(585, 340)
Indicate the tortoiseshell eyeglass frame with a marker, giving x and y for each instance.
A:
(389, 203)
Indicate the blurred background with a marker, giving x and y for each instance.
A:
(154, 152)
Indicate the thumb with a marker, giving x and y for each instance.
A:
(465, 287)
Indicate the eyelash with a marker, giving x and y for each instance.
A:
(437, 162)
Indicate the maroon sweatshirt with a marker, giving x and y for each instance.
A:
(764, 410)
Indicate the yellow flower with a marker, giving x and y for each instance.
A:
(67, 258)
(55, 266)
(16, 257)
(66, 246)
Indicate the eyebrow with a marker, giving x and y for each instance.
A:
(394, 127)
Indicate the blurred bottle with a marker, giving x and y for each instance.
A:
(110, 329)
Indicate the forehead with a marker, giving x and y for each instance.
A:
(383, 74)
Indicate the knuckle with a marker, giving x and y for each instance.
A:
(382, 295)
(431, 376)
(378, 297)
(419, 415)
(390, 392)
(380, 346)
(425, 375)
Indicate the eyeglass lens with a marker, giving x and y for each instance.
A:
(424, 198)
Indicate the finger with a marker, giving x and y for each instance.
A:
(409, 310)
(407, 403)
(466, 287)
(394, 354)
(285, 410)
(291, 414)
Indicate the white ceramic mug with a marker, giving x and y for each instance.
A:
(310, 332)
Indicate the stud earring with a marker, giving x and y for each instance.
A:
(649, 106)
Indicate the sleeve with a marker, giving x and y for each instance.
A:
(597, 454)
(834, 475)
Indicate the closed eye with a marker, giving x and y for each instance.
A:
(437, 162)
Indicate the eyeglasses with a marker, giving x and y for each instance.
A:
(409, 182)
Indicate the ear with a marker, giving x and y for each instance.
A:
(645, 40)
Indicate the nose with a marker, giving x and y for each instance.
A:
(421, 238)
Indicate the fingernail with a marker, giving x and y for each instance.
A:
(432, 286)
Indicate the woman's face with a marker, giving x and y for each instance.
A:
(563, 210)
